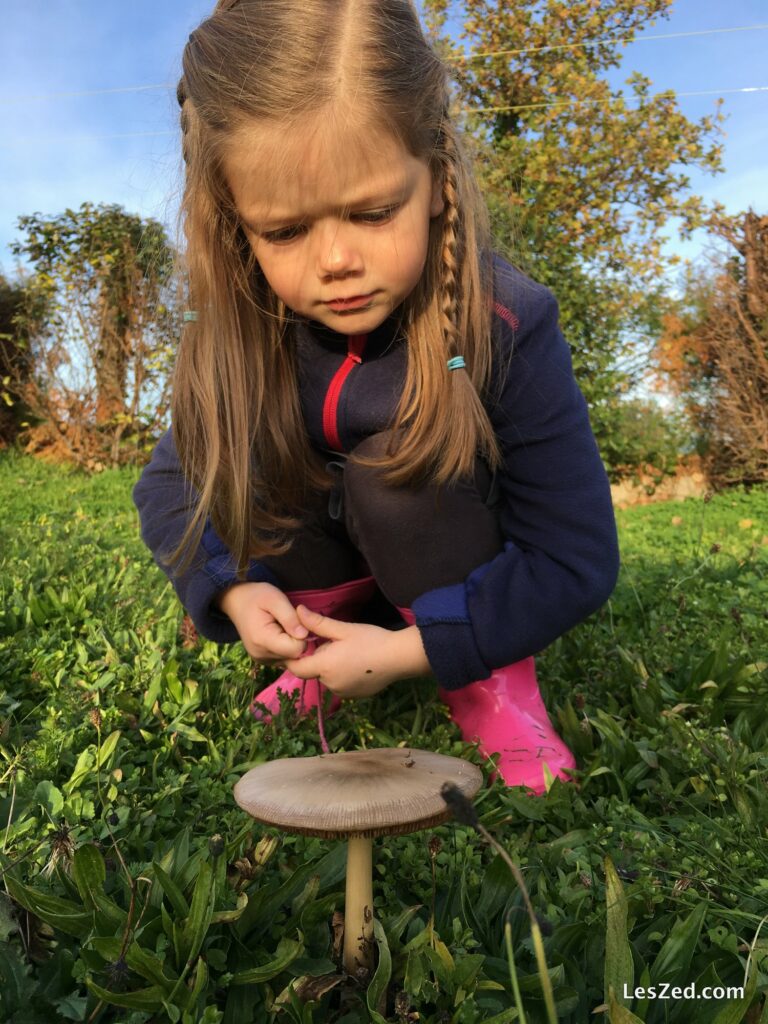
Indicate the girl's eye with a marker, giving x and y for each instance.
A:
(377, 216)
(285, 235)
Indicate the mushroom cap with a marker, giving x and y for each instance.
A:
(389, 791)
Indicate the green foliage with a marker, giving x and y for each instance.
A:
(581, 177)
(590, 172)
(139, 892)
(13, 363)
(643, 437)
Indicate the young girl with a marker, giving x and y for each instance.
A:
(367, 400)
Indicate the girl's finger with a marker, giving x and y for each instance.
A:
(281, 609)
(322, 625)
(304, 668)
(280, 644)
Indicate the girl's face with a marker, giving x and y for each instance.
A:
(345, 224)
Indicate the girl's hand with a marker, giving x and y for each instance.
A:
(358, 659)
(266, 621)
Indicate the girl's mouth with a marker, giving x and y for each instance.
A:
(355, 302)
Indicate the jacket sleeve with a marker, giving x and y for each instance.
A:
(165, 501)
(560, 560)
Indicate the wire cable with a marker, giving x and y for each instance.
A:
(573, 103)
(604, 42)
(84, 92)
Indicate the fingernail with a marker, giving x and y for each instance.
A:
(300, 632)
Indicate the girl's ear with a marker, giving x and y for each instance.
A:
(437, 204)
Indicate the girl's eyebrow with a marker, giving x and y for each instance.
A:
(382, 197)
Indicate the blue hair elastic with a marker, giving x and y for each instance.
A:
(456, 363)
(189, 315)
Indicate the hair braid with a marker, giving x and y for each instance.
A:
(184, 118)
(451, 244)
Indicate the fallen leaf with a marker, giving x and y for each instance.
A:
(677, 709)
(308, 988)
(676, 520)
(745, 523)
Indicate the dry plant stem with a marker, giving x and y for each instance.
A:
(358, 906)
(320, 724)
(538, 943)
(517, 873)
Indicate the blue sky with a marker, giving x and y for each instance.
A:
(59, 151)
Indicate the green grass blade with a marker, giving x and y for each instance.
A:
(619, 967)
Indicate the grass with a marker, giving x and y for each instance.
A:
(652, 869)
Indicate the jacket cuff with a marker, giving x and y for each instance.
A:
(449, 641)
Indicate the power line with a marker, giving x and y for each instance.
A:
(603, 42)
(84, 92)
(9, 101)
(572, 103)
(26, 139)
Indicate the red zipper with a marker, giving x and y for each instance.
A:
(355, 347)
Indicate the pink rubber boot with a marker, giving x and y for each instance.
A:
(341, 602)
(506, 714)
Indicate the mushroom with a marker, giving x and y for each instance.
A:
(356, 795)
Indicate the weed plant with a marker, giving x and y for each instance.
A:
(135, 890)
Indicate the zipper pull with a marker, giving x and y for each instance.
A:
(355, 347)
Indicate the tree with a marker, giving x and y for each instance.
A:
(580, 177)
(713, 352)
(101, 319)
(14, 362)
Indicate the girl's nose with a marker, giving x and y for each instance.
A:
(336, 252)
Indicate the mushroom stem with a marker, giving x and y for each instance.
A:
(358, 908)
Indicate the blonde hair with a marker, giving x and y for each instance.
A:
(237, 420)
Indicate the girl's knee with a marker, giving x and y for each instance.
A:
(358, 477)
(364, 490)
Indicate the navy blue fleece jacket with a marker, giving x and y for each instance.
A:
(560, 559)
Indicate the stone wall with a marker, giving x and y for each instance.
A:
(688, 482)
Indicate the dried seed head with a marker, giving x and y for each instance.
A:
(435, 845)
(216, 845)
(117, 975)
(95, 718)
(402, 1005)
(188, 633)
(460, 806)
(62, 850)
